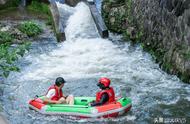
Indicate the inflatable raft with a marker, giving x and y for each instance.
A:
(81, 108)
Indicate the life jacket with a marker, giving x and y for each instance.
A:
(58, 93)
(110, 93)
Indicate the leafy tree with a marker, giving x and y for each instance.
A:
(9, 55)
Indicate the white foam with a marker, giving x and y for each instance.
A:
(131, 118)
(64, 8)
(188, 98)
(80, 24)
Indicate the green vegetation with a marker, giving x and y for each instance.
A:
(140, 33)
(9, 4)
(9, 55)
(115, 20)
(49, 20)
(128, 12)
(187, 55)
(167, 67)
(185, 78)
(39, 7)
(30, 28)
(5, 37)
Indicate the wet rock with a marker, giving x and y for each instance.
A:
(131, 32)
(12, 28)
(19, 37)
(116, 17)
(7, 28)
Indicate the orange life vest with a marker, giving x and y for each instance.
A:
(110, 93)
(58, 93)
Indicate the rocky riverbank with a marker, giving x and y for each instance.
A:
(11, 27)
(161, 26)
(18, 27)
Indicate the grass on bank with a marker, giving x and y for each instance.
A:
(39, 7)
(30, 28)
(10, 54)
(5, 37)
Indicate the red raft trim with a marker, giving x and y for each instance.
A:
(104, 108)
(107, 107)
(38, 103)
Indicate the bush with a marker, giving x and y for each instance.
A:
(30, 28)
(38, 6)
(9, 56)
(9, 4)
(5, 37)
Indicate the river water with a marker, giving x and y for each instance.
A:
(82, 59)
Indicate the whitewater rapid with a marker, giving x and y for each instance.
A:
(82, 59)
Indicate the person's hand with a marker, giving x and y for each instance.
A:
(57, 102)
(89, 104)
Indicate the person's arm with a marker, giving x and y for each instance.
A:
(48, 100)
(65, 96)
(103, 100)
(48, 97)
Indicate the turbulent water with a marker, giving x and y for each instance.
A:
(82, 60)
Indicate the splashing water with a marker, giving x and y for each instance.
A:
(81, 60)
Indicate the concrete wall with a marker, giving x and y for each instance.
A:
(58, 27)
(102, 29)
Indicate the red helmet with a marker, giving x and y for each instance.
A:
(105, 81)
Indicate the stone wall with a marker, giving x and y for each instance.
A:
(58, 27)
(161, 26)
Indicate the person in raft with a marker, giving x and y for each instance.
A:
(105, 95)
(55, 94)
